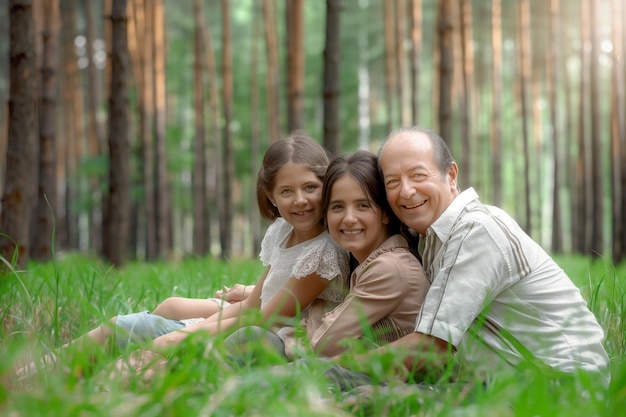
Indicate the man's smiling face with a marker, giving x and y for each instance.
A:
(416, 189)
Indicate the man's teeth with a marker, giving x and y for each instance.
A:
(416, 205)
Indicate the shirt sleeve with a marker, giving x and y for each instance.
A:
(471, 271)
(324, 258)
(376, 292)
(272, 239)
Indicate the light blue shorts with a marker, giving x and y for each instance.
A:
(142, 327)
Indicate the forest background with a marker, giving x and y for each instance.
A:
(133, 129)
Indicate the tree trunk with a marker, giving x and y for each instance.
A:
(364, 82)
(141, 48)
(200, 201)
(496, 115)
(597, 163)
(255, 135)
(445, 29)
(162, 195)
(331, 78)
(524, 79)
(216, 168)
(4, 143)
(226, 233)
(44, 236)
(416, 55)
(71, 130)
(390, 74)
(553, 60)
(569, 166)
(19, 190)
(618, 135)
(273, 86)
(467, 53)
(295, 63)
(94, 133)
(582, 232)
(402, 87)
(619, 224)
(117, 212)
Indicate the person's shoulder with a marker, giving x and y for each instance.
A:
(279, 227)
(394, 258)
(325, 240)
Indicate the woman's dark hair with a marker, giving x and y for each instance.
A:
(297, 148)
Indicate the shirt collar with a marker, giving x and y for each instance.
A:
(443, 225)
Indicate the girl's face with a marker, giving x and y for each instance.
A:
(297, 195)
(354, 221)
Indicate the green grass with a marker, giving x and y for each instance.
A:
(48, 305)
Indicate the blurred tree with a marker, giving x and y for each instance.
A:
(445, 28)
(255, 134)
(18, 199)
(390, 73)
(94, 130)
(552, 84)
(402, 86)
(43, 233)
(618, 134)
(117, 208)
(416, 57)
(70, 131)
(216, 167)
(523, 39)
(496, 108)
(331, 90)
(582, 234)
(141, 48)
(162, 195)
(467, 70)
(597, 164)
(226, 227)
(200, 198)
(272, 70)
(294, 18)
(364, 111)
(4, 103)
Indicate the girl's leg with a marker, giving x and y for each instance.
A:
(91, 342)
(179, 308)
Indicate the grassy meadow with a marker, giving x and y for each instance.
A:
(48, 305)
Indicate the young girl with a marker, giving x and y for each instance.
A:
(303, 263)
(387, 286)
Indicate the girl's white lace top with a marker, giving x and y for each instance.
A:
(320, 255)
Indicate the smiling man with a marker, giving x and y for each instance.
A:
(497, 299)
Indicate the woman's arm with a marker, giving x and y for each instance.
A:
(375, 293)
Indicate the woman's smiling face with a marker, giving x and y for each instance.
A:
(355, 222)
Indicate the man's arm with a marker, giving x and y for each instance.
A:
(418, 353)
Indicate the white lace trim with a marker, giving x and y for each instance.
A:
(319, 255)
